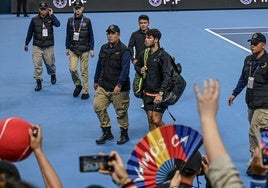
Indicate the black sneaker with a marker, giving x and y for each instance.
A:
(53, 79)
(85, 96)
(77, 90)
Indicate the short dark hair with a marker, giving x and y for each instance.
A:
(154, 33)
(94, 186)
(143, 17)
(10, 170)
(18, 184)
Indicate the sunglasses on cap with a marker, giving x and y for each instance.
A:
(77, 8)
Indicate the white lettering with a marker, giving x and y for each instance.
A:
(171, 1)
(144, 161)
(262, 1)
(71, 2)
(162, 144)
(140, 175)
(156, 150)
(175, 140)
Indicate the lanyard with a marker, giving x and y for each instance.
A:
(44, 26)
(79, 25)
(250, 70)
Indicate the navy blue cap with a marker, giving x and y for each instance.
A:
(113, 28)
(257, 37)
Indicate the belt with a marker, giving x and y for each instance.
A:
(150, 94)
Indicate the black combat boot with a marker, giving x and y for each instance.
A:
(53, 79)
(106, 135)
(38, 86)
(123, 137)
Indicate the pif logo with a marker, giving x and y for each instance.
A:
(247, 2)
(157, 3)
(63, 3)
(60, 3)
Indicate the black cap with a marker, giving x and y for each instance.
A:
(43, 5)
(194, 163)
(78, 3)
(257, 37)
(113, 28)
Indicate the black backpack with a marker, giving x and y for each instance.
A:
(176, 86)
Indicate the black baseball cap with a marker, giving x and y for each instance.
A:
(78, 4)
(257, 37)
(113, 28)
(193, 165)
(43, 5)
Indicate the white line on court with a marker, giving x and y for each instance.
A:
(240, 33)
(265, 28)
(230, 41)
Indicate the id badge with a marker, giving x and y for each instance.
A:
(44, 33)
(76, 36)
(250, 82)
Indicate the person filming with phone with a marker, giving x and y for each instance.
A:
(41, 30)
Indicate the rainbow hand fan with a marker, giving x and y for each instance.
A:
(154, 156)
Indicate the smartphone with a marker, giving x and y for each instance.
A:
(94, 163)
(264, 146)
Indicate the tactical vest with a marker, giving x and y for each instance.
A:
(39, 24)
(258, 96)
(111, 66)
(82, 45)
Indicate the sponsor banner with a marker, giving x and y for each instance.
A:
(144, 5)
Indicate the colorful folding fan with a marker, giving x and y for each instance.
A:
(153, 157)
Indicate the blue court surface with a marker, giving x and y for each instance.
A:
(208, 44)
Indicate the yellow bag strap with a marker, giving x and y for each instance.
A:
(145, 58)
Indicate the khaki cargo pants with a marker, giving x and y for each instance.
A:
(120, 102)
(73, 66)
(258, 119)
